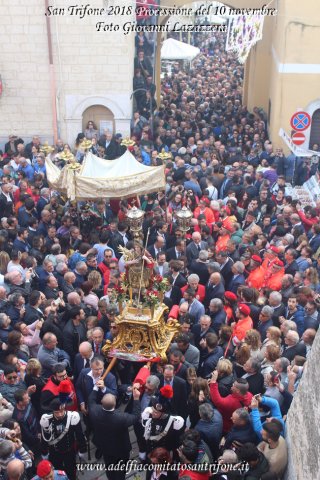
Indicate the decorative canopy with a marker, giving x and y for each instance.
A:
(99, 178)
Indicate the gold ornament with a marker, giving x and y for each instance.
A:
(46, 148)
(127, 142)
(164, 156)
(142, 333)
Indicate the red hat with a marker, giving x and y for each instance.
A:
(227, 224)
(44, 468)
(274, 249)
(230, 296)
(244, 309)
(278, 263)
(256, 258)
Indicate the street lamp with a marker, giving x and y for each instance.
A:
(184, 216)
(135, 218)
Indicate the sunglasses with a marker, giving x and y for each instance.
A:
(12, 377)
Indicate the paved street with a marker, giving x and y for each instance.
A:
(95, 475)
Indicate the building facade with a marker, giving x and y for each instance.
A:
(58, 72)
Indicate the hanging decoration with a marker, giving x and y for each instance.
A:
(244, 31)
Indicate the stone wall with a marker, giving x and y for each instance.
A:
(303, 431)
(87, 64)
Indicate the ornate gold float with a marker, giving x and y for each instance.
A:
(143, 334)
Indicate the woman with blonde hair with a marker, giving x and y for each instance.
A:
(272, 353)
(33, 377)
(226, 376)
(273, 338)
(4, 260)
(253, 339)
(311, 279)
(96, 279)
(200, 394)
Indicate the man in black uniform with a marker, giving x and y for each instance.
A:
(160, 428)
(61, 430)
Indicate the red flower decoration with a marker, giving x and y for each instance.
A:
(166, 391)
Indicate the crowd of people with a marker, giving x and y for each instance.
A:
(243, 284)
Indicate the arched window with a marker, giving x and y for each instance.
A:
(315, 129)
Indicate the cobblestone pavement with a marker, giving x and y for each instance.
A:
(96, 475)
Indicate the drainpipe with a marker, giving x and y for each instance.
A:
(52, 77)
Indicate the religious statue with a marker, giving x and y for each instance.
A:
(139, 267)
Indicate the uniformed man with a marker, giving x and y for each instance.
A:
(61, 432)
(160, 428)
(256, 277)
(274, 276)
(45, 471)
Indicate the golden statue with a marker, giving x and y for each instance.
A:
(143, 333)
(139, 267)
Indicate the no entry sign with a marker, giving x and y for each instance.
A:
(300, 121)
(298, 138)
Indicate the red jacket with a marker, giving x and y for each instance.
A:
(105, 271)
(307, 222)
(240, 329)
(200, 293)
(54, 389)
(227, 405)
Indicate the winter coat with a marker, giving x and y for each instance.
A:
(227, 405)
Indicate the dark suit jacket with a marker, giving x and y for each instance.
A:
(292, 268)
(171, 254)
(278, 312)
(256, 383)
(42, 202)
(198, 335)
(180, 281)
(72, 337)
(175, 295)
(31, 315)
(113, 425)
(235, 283)
(116, 241)
(201, 269)
(94, 349)
(224, 188)
(6, 208)
(291, 352)
(78, 366)
(193, 252)
(152, 251)
(216, 291)
(84, 386)
(226, 271)
(179, 401)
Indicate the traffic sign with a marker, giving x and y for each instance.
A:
(300, 121)
(298, 138)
